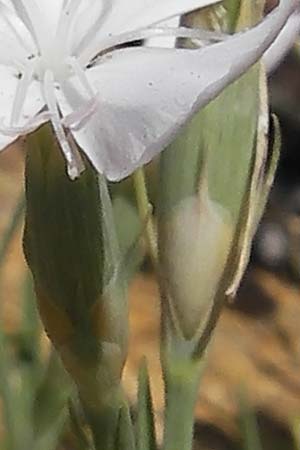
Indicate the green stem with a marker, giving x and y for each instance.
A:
(14, 223)
(103, 420)
(104, 428)
(182, 381)
(295, 432)
(145, 212)
(248, 423)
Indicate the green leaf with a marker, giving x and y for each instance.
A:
(248, 424)
(52, 396)
(233, 11)
(129, 228)
(125, 434)
(78, 426)
(50, 439)
(30, 331)
(145, 428)
(14, 223)
(272, 166)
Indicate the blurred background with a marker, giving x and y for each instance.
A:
(250, 394)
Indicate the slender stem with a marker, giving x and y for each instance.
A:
(295, 433)
(182, 382)
(103, 420)
(9, 232)
(248, 424)
(145, 212)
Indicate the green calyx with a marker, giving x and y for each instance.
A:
(63, 231)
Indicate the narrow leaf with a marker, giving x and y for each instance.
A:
(145, 434)
(248, 424)
(125, 435)
(12, 226)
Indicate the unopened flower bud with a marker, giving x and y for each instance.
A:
(80, 293)
(205, 179)
(195, 240)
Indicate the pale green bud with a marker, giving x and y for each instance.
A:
(205, 178)
(195, 240)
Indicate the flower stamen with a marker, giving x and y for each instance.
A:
(197, 34)
(80, 73)
(66, 24)
(55, 119)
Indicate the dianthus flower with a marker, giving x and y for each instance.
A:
(73, 63)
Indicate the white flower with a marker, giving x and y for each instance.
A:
(69, 62)
(286, 39)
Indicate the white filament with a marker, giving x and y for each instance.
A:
(21, 92)
(80, 73)
(204, 36)
(66, 24)
(49, 92)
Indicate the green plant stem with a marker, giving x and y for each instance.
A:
(104, 419)
(248, 424)
(14, 222)
(295, 432)
(104, 428)
(182, 380)
(145, 212)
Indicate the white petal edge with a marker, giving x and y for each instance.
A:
(281, 46)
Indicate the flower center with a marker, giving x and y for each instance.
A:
(60, 69)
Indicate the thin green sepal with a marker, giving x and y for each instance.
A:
(125, 435)
(145, 427)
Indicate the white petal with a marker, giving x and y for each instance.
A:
(127, 16)
(143, 13)
(16, 42)
(33, 104)
(146, 94)
(51, 9)
(278, 50)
